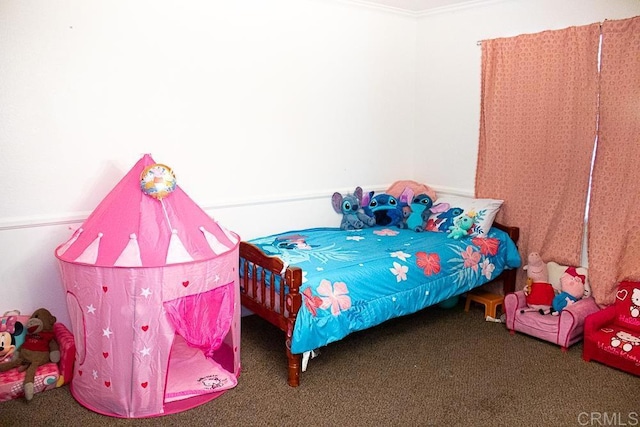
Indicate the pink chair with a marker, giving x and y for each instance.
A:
(564, 329)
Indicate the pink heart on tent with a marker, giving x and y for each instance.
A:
(144, 384)
(107, 383)
(185, 283)
(622, 294)
(105, 289)
(105, 355)
(145, 328)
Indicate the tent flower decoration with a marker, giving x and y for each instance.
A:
(151, 284)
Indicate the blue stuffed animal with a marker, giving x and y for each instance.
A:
(420, 212)
(385, 209)
(349, 205)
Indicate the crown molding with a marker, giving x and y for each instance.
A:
(457, 7)
(378, 6)
(417, 14)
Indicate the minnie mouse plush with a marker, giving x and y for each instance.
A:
(10, 328)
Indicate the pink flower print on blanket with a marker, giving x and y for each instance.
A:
(335, 297)
(471, 258)
(311, 301)
(386, 232)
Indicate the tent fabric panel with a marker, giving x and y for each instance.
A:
(127, 339)
(181, 280)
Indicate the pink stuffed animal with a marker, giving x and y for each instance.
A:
(572, 290)
(539, 292)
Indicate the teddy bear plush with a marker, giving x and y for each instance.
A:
(350, 206)
(539, 293)
(39, 347)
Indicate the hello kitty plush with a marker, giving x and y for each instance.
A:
(634, 308)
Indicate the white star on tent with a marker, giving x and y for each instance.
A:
(91, 309)
(146, 351)
(106, 333)
(95, 374)
(145, 292)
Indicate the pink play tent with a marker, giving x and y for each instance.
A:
(152, 291)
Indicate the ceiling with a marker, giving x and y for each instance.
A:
(418, 5)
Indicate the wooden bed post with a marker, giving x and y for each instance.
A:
(293, 303)
(509, 277)
(293, 362)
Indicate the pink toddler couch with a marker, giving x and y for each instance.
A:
(48, 376)
(564, 329)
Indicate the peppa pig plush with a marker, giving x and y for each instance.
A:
(539, 293)
(573, 286)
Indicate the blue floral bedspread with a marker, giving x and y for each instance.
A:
(353, 280)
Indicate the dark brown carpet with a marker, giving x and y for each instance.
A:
(439, 367)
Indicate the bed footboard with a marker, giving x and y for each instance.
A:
(271, 290)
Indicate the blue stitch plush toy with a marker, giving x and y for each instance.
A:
(349, 205)
(420, 212)
(385, 208)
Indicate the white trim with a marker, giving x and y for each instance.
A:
(456, 7)
(419, 13)
(378, 6)
(79, 217)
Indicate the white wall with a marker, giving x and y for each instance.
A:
(448, 68)
(262, 108)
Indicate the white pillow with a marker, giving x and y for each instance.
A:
(447, 208)
(556, 271)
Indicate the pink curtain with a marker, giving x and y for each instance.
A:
(614, 229)
(537, 134)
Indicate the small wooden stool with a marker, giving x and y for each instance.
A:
(489, 300)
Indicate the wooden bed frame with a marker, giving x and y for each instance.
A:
(259, 294)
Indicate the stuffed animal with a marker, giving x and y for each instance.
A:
(39, 347)
(556, 271)
(460, 227)
(572, 285)
(385, 208)
(349, 205)
(10, 328)
(416, 209)
(420, 212)
(539, 293)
